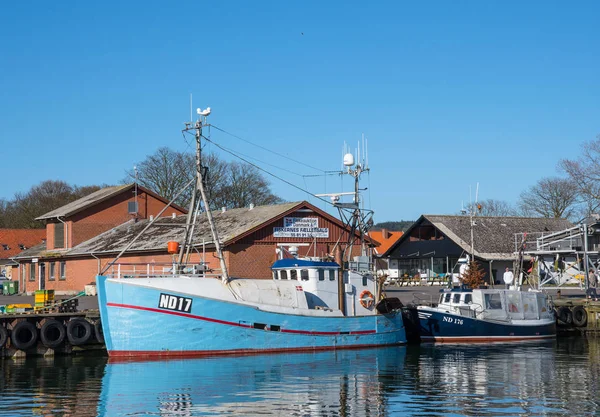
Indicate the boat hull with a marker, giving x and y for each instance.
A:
(136, 324)
(445, 327)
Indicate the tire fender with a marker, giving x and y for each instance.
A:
(579, 316)
(98, 331)
(49, 336)
(565, 315)
(79, 331)
(24, 335)
(3, 336)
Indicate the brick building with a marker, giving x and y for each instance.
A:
(48, 264)
(250, 238)
(14, 241)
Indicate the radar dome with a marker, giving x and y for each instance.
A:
(348, 160)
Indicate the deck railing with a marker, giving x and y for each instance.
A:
(160, 270)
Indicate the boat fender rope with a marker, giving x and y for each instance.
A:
(366, 299)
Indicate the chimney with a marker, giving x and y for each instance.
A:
(385, 234)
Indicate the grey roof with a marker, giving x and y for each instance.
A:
(32, 252)
(230, 224)
(85, 202)
(494, 237)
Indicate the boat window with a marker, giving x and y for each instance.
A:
(456, 299)
(321, 275)
(447, 299)
(294, 274)
(332, 275)
(283, 274)
(365, 281)
(468, 298)
(493, 301)
(304, 274)
(442, 298)
(275, 275)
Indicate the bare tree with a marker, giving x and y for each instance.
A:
(165, 172)
(493, 208)
(244, 185)
(21, 211)
(228, 184)
(550, 197)
(584, 172)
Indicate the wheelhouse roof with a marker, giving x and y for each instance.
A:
(302, 263)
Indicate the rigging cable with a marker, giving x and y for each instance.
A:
(267, 149)
(269, 173)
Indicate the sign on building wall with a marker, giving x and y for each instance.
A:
(301, 227)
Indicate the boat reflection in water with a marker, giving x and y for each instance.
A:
(528, 378)
(345, 382)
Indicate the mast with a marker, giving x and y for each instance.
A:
(200, 187)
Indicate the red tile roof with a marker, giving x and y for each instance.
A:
(386, 241)
(10, 239)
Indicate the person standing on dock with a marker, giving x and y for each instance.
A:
(508, 277)
(592, 285)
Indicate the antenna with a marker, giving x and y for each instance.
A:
(191, 111)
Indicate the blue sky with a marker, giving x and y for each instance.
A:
(449, 94)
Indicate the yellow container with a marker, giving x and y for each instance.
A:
(43, 297)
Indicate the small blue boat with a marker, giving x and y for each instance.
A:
(486, 315)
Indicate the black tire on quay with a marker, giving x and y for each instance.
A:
(52, 333)
(579, 316)
(98, 331)
(79, 331)
(565, 315)
(3, 336)
(24, 335)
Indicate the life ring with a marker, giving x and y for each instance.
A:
(52, 333)
(79, 331)
(366, 299)
(99, 331)
(579, 316)
(3, 336)
(24, 335)
(565, 315)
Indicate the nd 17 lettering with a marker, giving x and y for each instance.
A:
(452, 320)
(175, 303)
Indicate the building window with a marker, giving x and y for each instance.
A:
(51, 275)
(32, 272)
(59, 235)
(63, 270)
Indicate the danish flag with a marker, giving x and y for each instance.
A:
(298, 287)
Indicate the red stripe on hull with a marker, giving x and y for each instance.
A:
(230, 323)
(142, 355)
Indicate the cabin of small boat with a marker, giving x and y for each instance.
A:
(319, 280)
(496, 304)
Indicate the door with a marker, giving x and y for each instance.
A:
(42, 276)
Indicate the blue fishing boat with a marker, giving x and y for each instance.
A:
(307, 303)
(486, 315)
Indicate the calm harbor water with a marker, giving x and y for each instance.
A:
(533, 379)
